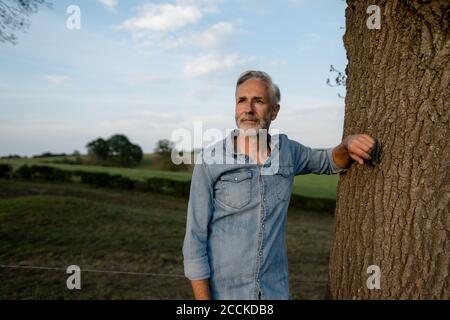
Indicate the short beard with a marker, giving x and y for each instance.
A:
(252, 131)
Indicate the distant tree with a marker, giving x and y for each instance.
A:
(123, 152)
(98, 149)
(14, 16)
(49, 154)
(164, 150)
(164, 147)
(117, 150)
(11, 156)
(76, 153)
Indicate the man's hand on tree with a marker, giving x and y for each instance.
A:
(359, 147)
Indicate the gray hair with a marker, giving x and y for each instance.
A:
(274, 91)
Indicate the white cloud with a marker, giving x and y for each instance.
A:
(213, 62)
(207, 6)
(166, 25)
(163, 17)
(56, 78)
(215, 36)
(110, 4)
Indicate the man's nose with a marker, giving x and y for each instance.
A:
(249, 107)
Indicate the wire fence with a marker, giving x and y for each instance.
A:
(96, 271)
(151, 274)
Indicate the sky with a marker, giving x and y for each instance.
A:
(149, 68)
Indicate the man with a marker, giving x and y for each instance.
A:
(234, 247)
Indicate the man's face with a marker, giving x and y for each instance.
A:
(254, 108)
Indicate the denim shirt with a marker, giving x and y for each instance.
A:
(236, 218)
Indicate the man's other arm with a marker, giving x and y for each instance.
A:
(201, 289)
(200, 207)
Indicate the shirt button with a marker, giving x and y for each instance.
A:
(260, 253)
(263, 226)
(264, 199)
(235, 179)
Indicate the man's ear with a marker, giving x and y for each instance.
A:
(275, 111)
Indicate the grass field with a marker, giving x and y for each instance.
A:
(310, 185)
(138, 173)
(57, 225)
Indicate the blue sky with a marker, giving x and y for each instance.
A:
(147, 68)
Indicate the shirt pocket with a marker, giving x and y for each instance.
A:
(234, 189)
(283, 182)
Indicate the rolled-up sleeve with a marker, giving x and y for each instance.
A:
(308, 160)
(196, 263)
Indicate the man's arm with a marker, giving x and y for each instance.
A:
(354, 147)
(333, 160)
(200, 207)
(201, 289)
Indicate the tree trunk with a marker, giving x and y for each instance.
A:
(396, 215)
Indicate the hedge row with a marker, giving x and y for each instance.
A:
(105, 180)
(5, 171)
(42, 173)
(158, 185)
(313, 204)
(99, 179)
(161, 185)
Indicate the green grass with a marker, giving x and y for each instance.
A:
(56, 225)
(316, 186)
(310, 185)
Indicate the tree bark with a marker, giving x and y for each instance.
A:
(396, 215)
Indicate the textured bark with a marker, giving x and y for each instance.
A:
(396, 215)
